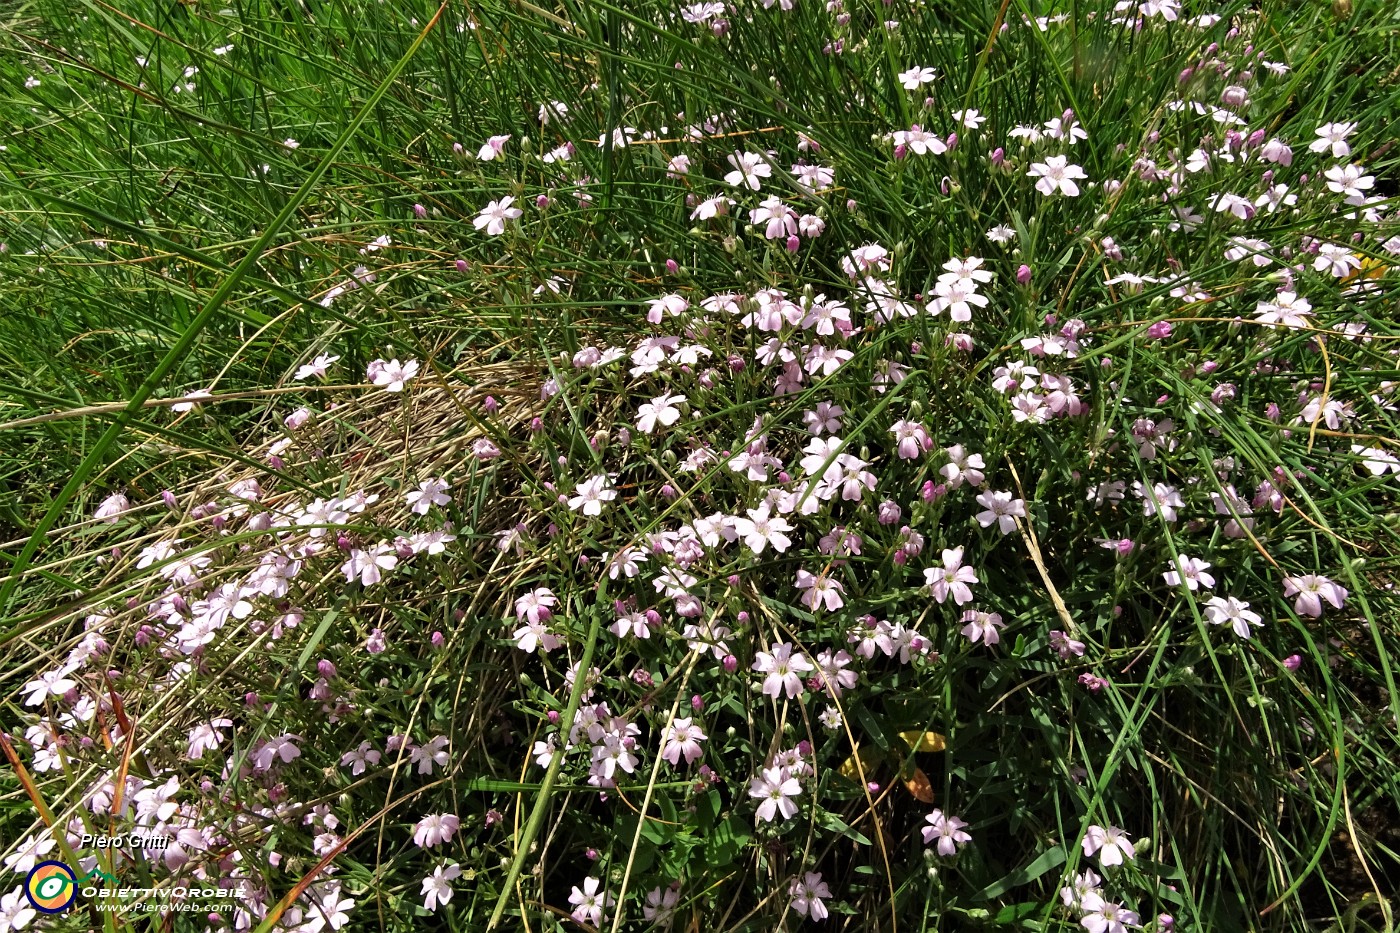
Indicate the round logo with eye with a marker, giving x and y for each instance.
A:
(51, 887)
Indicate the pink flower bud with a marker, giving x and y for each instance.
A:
(672, 267)
(170, 501)
(325, 668)
(697, 702)
(793, 244)
(668, 491)
(890, 512)
(542, 201)
(1160, 330)
(553, 717)
(998, 156)
(1023, 275)
(461, 265)
(437, 640)
(731, 664)
(420, 211)
(1293, 662)
(952, 142)
(536, 425)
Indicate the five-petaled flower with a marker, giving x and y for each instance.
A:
(948, 830)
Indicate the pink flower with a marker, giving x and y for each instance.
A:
(982, 626)
(437, 888)
(913, 438)
(1229, 609)
(1103, 917)
(807, 895)
(948, 830)
(661, 410)
(591, 494)
(952, 578)
(963, 467)
(682, 739)
(112, 507)
(820, 590)
(50, 683)
(784, 670)
(1311, 589)
(1056, 174)
(391, 376)
(493, 216)
(367, 564)
(534, 635)
(761, 529)
(495, 146)
(775, 787)
(536, 606)
(1192, 570)
(589, 903)
(430, 492)
(434, 829)
(1000, 508)
(1065, 646)
(1112, 844)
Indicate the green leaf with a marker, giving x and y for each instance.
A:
(727, 841)
(1052, 858)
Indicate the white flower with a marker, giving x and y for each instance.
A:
(590, 495)
(316, 367)
(437, 888)
(1112, 844)
(1333, 136)
(1229, 609)
(495, 146)
(660, 410)
(1001, 508)
(749, 167)
(430, 492)
(391, 376)
(916, 77)
(1192, 570)
(493, 216)
(1056, 174)
(50, 683)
